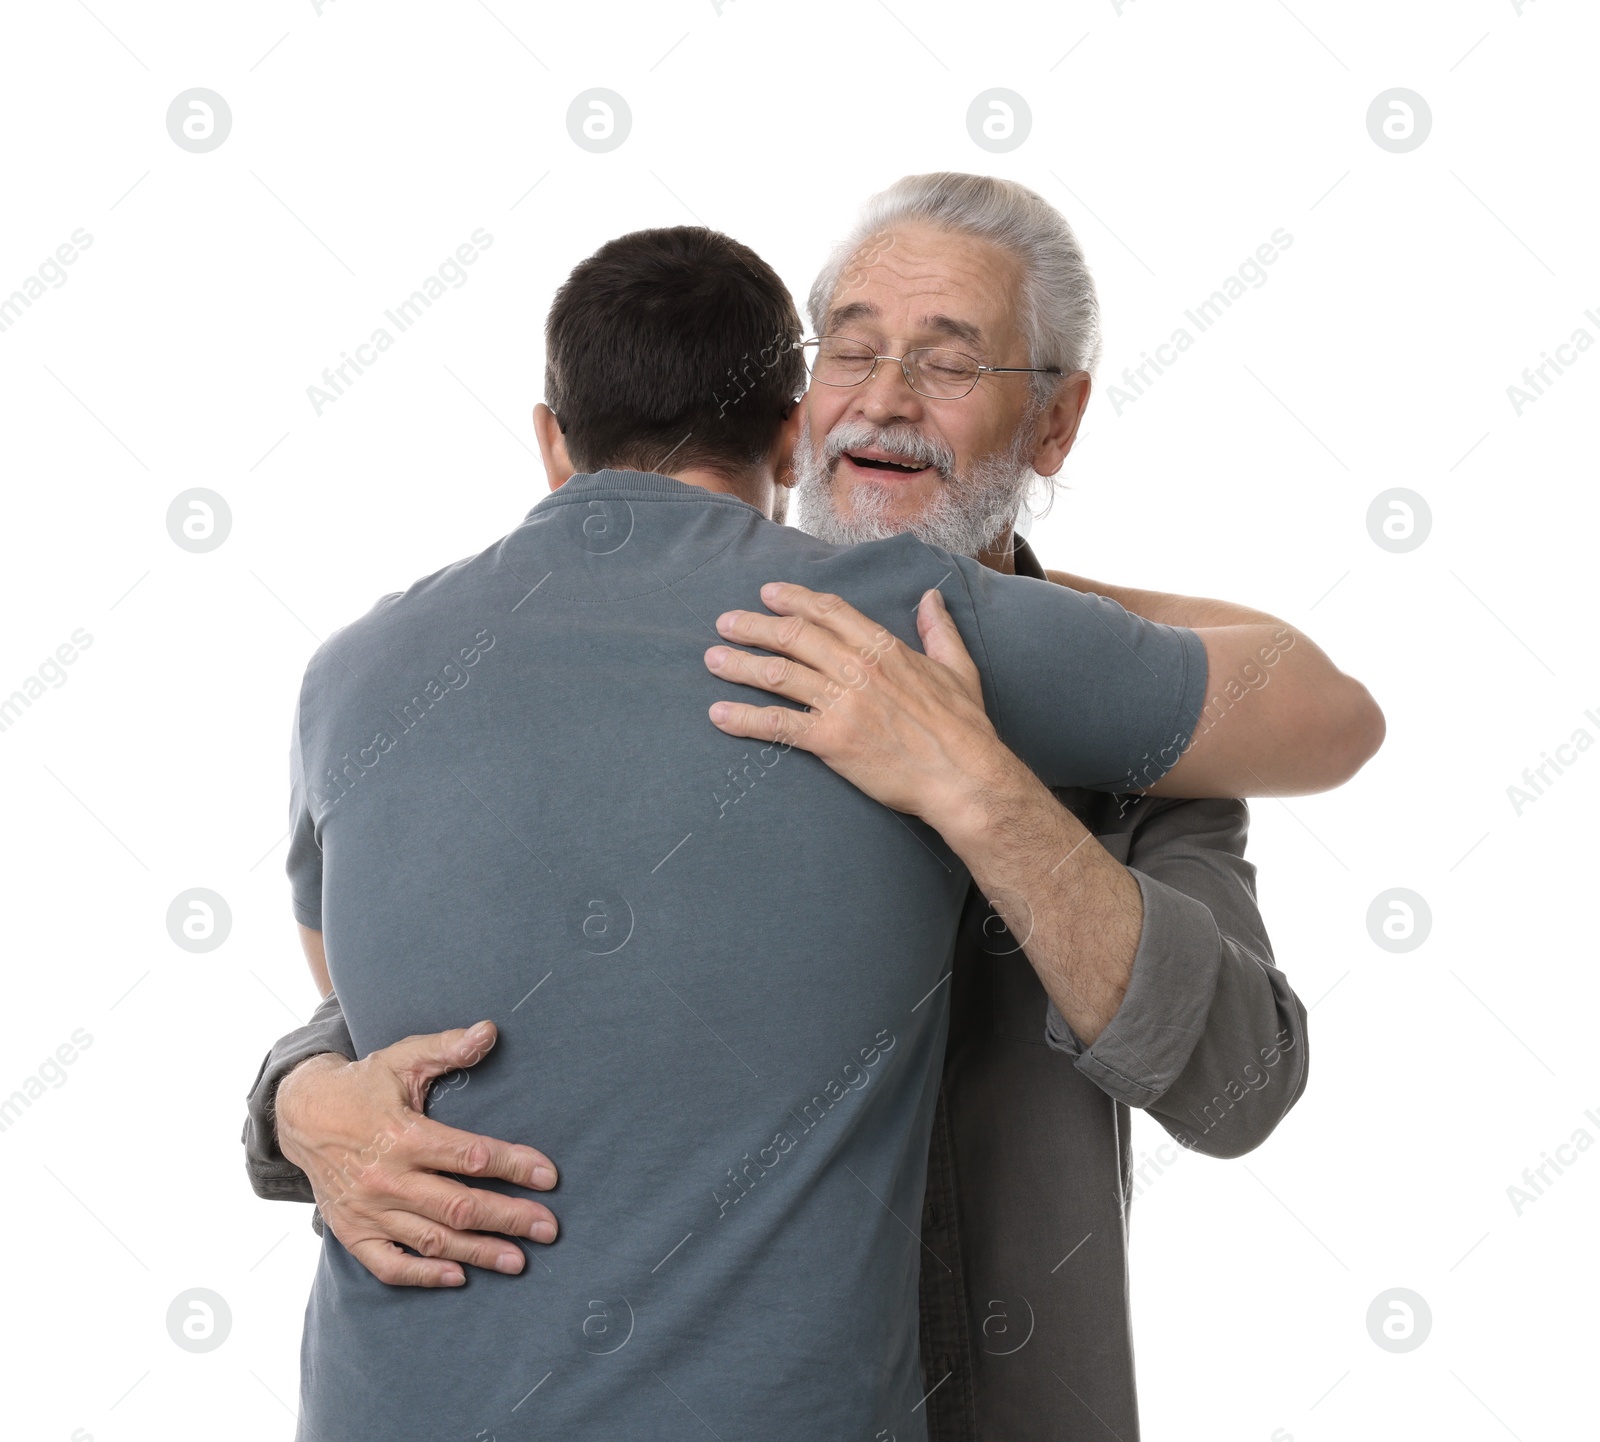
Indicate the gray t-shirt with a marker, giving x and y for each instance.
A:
(717, 968)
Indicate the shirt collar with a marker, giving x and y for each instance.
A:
(584, 486)
(1023, 559)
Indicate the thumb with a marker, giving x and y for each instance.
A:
(941, 641)
(434, 1054)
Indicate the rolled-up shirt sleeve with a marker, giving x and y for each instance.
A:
(1210, 1038)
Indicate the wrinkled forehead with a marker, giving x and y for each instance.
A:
(919, 283)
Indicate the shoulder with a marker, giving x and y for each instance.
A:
(403, 622)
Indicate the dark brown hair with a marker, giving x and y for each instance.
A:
(672, 347)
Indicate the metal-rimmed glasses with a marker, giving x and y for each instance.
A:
(939, 374)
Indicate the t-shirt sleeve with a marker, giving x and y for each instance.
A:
(1086, 693)
(305, 850)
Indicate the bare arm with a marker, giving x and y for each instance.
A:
(1314, 732)
(1166, 607)
(1076, 911)
(316, 958)
(1280, 719)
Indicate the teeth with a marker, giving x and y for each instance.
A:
(906, 466)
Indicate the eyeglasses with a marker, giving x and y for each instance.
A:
(941, 375)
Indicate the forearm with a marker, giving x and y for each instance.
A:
(1273, 696)
(1074, 910)
(1165, 607)
(1279, 719)
(316, 958)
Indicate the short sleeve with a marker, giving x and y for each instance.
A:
(1086, 693)
(305, 850)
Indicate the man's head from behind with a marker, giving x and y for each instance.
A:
(944, 269)
(671, 350)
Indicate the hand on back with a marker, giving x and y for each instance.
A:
(382, 1170)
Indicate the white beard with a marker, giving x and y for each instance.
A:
(965, 515)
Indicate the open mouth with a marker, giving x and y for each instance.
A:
(884, 464)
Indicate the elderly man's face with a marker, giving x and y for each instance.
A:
(878, 458)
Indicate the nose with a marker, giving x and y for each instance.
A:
(885, 398)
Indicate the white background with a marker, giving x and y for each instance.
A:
(369, 141)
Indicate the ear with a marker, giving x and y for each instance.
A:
(558, 467)
(784, 443)
(1058, 426)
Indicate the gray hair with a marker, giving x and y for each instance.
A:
(1058, 310)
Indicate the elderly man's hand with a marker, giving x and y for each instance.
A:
(358, 1131)
(907, 728)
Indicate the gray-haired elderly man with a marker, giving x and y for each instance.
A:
(1112, 953)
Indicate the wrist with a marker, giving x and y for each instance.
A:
(985, 796)
(290, 1090)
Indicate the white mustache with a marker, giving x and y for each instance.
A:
(904, 441)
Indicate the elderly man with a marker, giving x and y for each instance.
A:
(1127, 965)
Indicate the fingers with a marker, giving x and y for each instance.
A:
(791, 636)
(444, 1221)
(492, 1254)
(442, 1253)
(389, 1264)
(777, 674)
(396, 1200)
(763, 723)
(460, 1209)
(826, 611)
(941, 641)
(432, 1146)
(815, 628)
